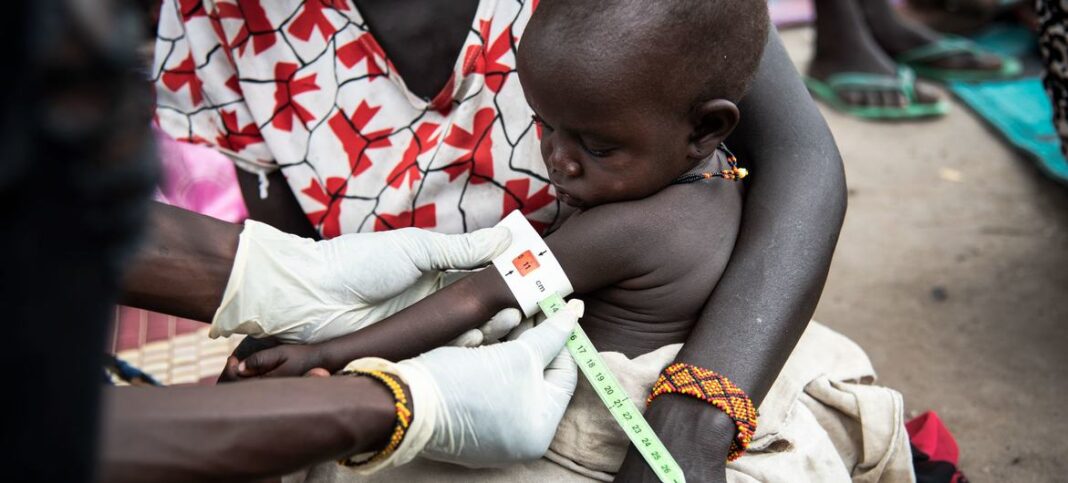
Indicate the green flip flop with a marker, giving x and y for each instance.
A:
(919, 58)
(904, 82)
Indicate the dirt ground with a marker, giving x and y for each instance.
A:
(952, 272)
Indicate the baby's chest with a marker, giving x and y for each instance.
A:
(635, 319)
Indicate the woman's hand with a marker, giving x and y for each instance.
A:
(636, 470)
(700, 441)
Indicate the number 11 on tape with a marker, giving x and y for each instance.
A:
(615, 398)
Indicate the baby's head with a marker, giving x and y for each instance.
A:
(631, 94)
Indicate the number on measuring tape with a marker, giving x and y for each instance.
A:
(525, 263)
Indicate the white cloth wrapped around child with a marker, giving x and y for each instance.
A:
(822, 421)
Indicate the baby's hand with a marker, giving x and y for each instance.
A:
(286, 360)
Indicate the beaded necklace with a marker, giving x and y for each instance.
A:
(733, 172)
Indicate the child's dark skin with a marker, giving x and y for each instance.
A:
(612, 146)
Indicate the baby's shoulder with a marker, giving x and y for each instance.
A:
(678, 215)
(705, 203)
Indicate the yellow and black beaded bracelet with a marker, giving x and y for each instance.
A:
(715, 389)
(404, 416)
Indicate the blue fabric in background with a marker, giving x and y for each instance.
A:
(1019, 109)
(1012, 40)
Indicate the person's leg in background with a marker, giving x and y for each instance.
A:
(897, 35)
(1053, 42)
(862, 44)
(845, 44)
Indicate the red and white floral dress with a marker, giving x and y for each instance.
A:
(304, 87)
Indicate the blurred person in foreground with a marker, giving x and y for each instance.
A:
(76, 174)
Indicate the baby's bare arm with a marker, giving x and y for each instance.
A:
(425, 325)
(590, 248)
(607, 244)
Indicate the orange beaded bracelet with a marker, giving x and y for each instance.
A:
(715, 389)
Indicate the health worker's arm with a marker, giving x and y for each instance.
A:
(794, 207)
(267, 428)
(240, 431)
(257, 280)
(182, 267)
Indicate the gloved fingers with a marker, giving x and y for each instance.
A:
(527, 324)
(519, 330)
(435, 251)
(471, 338)
(501, 324)
(548, 338)
(562, 373)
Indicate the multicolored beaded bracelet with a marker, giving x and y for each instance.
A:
(715, 389)
(404, 416)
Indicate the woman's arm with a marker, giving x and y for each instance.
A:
(794, 207)
(242, 431)
(183, 266)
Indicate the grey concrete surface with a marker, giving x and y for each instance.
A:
(952, 272)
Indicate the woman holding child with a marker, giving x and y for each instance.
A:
(373, 115)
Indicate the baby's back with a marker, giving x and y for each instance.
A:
(686, 236)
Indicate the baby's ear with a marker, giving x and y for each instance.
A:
(712, 122)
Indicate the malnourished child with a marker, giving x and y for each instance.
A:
(633, 101)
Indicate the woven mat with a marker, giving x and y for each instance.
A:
(171, 349)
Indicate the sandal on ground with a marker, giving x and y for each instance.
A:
(904, 82)
(919, 60)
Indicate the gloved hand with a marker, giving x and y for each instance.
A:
(302, 291)
(498, 327)
(487, 406)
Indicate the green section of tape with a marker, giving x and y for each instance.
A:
(616, 400)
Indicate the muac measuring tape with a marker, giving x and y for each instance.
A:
(536, 279)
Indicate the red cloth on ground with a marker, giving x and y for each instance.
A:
(927, 433)
(935, 451)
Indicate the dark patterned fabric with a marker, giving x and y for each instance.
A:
(1054, 45)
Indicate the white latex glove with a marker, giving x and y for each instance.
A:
(487, 406)
(303, 291)
(497, 328)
